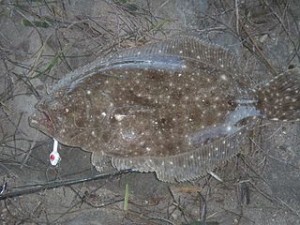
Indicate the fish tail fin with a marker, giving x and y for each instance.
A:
(280, 98)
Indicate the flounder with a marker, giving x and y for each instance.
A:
(177, 108)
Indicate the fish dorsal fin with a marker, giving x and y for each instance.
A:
(188, 48)
(169, 52)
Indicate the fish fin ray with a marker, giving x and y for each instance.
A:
(280, 98)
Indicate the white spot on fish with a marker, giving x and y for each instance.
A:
(223, 77)
(119, 117)
(228, 128)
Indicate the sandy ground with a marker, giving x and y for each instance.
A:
(40, 41)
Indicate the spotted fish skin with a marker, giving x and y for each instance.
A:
(177, 108)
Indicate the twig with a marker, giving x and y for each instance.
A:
(56, 184)
(237, 16)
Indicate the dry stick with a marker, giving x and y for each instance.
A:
(15, 134)
(237, 16)
(287, 206)
(275, 199)
(56, 184)
(27, 82)
(285, 29)
(28, 154)
(258, 52)
(101, 205)
(268, 196)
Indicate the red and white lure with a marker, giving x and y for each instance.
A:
(54, 155)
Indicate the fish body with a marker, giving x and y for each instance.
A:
(177, 108)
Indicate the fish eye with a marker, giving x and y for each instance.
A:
(291, 66)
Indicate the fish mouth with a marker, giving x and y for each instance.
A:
(42, 121)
